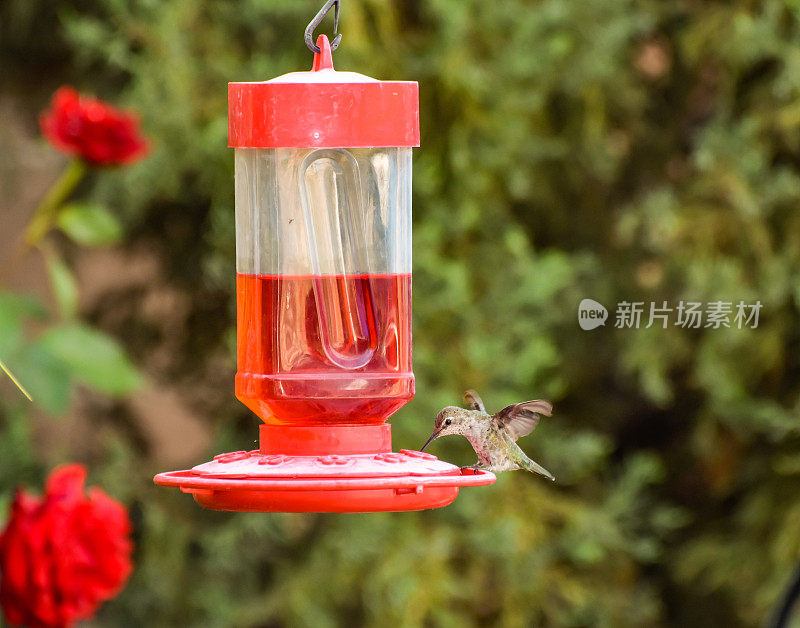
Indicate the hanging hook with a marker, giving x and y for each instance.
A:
(316, 21)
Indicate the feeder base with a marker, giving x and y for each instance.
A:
(324, 469)
(294, 495)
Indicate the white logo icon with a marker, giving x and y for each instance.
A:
(591, 314)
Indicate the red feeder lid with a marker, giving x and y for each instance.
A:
(323, 108)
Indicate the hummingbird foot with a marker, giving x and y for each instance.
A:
(473, 467)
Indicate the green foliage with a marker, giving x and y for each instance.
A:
(618, 150)
(65, 288)
(92, 358)
(48, 364)
(45, 379)
(89, 225)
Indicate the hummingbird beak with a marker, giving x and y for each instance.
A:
(431, 439)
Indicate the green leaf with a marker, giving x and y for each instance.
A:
(90, 225)
(92, 357)
(44, 376)
(14, 309)
(65, 288)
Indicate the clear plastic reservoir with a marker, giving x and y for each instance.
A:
(323, 240)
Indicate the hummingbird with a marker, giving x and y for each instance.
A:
(494, 436)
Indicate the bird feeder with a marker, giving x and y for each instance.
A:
(323, 260)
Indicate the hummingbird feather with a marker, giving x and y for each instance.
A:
(474, 401)
(519, 419)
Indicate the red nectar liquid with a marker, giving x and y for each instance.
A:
(324, 349)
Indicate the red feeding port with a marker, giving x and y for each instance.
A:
(323, 248)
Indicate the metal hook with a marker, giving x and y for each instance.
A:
(316, 21)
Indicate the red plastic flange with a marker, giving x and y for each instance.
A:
(324, 469)
(323, 108)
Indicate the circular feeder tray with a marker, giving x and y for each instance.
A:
(327, 468)
(386, 481)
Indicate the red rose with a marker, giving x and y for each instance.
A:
(62, 555)
(92, 129)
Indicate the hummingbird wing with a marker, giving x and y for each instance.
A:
(474, 401)
(519, 419)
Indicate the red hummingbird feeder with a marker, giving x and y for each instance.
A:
(323, 256)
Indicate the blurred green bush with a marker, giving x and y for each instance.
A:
(616, 150)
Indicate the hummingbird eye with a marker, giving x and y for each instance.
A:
(448, 421)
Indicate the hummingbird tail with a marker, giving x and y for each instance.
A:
(522, 460)
(535, 467)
